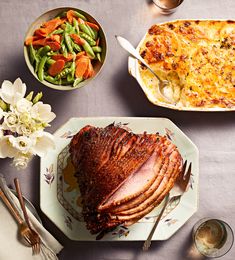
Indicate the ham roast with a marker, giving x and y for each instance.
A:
(122, 176)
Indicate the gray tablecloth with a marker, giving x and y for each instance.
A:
(115, 93)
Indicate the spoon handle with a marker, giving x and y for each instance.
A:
(21, 200)
(126, 45)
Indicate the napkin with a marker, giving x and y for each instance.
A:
(11, 247)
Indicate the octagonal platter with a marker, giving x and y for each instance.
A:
(60, 200)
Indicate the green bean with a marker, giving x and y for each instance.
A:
(63, 73)
(68, 42)
(51, 79)
(85, 29)
(41, 68)
(91, 32)
(76, 26)
(97, 49)
(50, 62)
(43, 50)
(86, 46)
(79, 15)
(32, 54)
(88, 38)
(77, 81)
(98, 56)
(70, 76)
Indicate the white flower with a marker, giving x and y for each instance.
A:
(1, 113)
(42, 112)
(26, 130)
(12, 93)
(23, 105)
(6, 148)
(10, 122)
(43, 142)
(21, 160)
(22, 143)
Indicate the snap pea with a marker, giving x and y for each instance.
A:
(98, 56)
(97, 49)
(76, 47)
(52, 80)
(32, 54)
(95, 33)
(92, 34)
(85, 29)
(69, 28)
(77, 81)
(86, 46)
(79, 15)
(88, 38)
(76, 26)
(37, 61)
(68, 64)
(64, 50)
(41, 68)
(50, 62)
(68, 42)
(70, 76)
(43, 50)
(63, 73)
(58, 31)
(52, 53)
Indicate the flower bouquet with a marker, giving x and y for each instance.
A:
(22, 123)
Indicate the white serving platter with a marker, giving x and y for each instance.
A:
(60, 205)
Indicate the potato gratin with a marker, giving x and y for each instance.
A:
(197, 58)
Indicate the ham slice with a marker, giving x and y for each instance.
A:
(121, 175)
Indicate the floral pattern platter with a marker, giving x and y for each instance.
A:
(60, 202)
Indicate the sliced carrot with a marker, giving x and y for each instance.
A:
(56, 67)
(40, 42)
(80, 21)
(55, 46)
(81, 66)
(30, 39)
(53, 24)
(41, 32)
(93, 25)
(80, 54)
(77, 39)
(90, 71)
(62, 57)
(70, 15)
(55, 37)
(98, 42)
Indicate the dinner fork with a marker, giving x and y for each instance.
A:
(178, 190)
(36, 239)
(24, 231)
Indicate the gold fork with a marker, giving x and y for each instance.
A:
(36, 239)
(24, 230)
(177, 191)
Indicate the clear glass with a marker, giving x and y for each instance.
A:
(213, 238)
(167, 6)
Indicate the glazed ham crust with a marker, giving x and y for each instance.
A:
(121, 175)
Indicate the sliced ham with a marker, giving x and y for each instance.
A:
(121, 175)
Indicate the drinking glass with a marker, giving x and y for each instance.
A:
(167, 6)
(212, 237)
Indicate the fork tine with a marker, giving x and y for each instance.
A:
(188, 173)
(183, 169)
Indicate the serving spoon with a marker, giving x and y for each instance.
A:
(126, 45)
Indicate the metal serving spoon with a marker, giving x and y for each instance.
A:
(126, 45)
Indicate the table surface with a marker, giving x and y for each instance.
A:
(115, 93)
